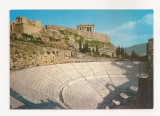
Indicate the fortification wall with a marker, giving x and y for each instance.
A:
(101, 37)
(18, 29)
(85, 34)
(94, 35)
(30, 29)
(25, 28)
(90, 35)
(54, 27)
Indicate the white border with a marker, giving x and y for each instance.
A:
(6, 5)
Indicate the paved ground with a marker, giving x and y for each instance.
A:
(88, 85)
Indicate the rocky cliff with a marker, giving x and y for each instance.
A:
(53, 44)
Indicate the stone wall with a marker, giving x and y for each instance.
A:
(24, 25)
(25, 28)
(145, 92)
(18, 29)
(86, 27)
(150, 50)
(91, 35)
(29, 29)
(101, 37)
(55, 27)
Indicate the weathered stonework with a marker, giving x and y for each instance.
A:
(31, 45)
(150, 49)
(87, 34)
(24, 25)
(94, 36)
(145, 93)
(86, 27)
(29, 55)
(88, 30)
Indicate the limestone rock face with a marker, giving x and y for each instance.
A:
(51, 45)
(25, 55)
(50, 32)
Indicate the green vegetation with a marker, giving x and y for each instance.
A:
(27, 37)
(80, 46)
(139, 48)
(66, 32)
(38, 42)
(81, 39)
(135, 56)
(94, 43)
(92, 47)
(97, 51)
(84, 45)
(85, 48)
(62, 32)
(52, 39)
(123, 55)
(76, 35)
(30, 38)
(66, 38)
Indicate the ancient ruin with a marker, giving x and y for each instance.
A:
(50, 44)
(88, 85)
(24, 25)
(150, 49)
(86, 27)
(50, 71)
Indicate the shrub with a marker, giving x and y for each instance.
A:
(66, 38)
(52, 39)
(62, 32)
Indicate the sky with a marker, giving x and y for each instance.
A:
(124, 27)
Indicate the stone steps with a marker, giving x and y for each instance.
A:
(81, 95)
(79, 85)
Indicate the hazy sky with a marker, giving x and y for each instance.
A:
(125, 27)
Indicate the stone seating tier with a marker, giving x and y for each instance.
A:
(77, 85)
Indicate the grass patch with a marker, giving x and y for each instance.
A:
(94, 43)
(52, 39)
(66, 38)
(30, 38)
(62, 32)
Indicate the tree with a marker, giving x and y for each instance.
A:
(118, 51)
(93, 51)
(126, 55)
(80, 46)
(122, 52)
(112, 54)
(97, 51)
(133, 55)
(86, 47)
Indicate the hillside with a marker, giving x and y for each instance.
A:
(53, 45)
(139, 49)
